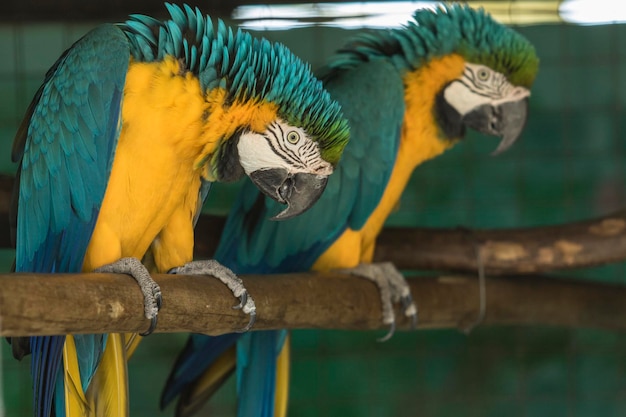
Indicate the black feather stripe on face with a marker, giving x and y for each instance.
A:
(229, 168)
(448, 119)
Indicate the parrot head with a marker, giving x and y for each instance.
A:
(274, 120)
(483, 99)
(286, 164)
(290, 158)
(498, 67)
(290, 155)
(457, 62)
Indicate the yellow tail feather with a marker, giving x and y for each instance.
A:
(108, 392)
(131, 342)
(282, 379)
(75, 401)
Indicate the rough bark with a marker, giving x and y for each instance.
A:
(65, 303)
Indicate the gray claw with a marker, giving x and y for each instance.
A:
(250, 323)
(159, 300)
(153, 324)
(414, 321)
(392, 330)
(393, 288)
(243, 299)
(407, 303)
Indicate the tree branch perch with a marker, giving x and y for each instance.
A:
(64, 303)
(508, 251)
(504, 251)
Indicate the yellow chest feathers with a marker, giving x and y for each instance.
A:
(169, 130)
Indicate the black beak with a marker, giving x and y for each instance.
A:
(299, 191)
(506, 120)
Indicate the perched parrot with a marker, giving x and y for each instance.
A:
(409, 95)
(115, 156)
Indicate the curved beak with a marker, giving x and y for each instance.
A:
(299, 191)
(506, 120)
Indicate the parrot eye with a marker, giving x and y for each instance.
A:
(293, 137)
(483, 74)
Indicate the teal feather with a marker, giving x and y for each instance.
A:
(142, 19)
(240, 57)
(239, 75)
(192, 19)
(78, 196)
(187, 54)
(209, 78)
(256, 361)
(214, 58)
(204, 61)
(161, 47)
(179, 17)
(225, 58)
(141, 28)
(176, 38)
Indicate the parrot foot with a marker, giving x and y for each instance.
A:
(152, 299)
(393, 289)
(228, 278)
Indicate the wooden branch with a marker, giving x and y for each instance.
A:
(55, 304)
(504, 251)
(508, 251)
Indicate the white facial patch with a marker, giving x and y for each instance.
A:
(281, 146)
(480, 85)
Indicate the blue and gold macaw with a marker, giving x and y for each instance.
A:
(115, 156)
(409, 95)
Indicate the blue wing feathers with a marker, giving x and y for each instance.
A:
(82, 106)
(46, 362)
(66, 153)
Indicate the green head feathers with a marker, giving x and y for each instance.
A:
(459, 29)
(247, 68)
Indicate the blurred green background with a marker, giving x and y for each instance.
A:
(569, 165)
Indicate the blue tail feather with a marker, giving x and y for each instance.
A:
(199, 352)
(257, 354)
